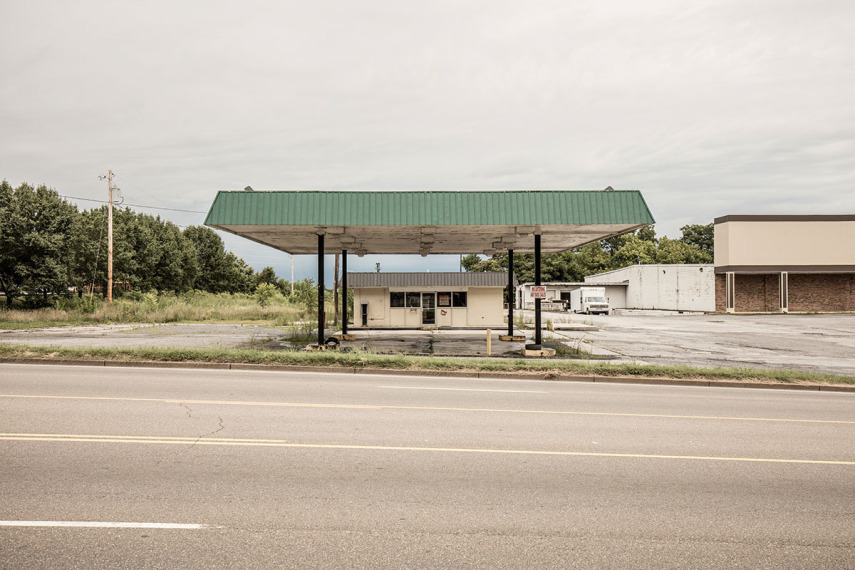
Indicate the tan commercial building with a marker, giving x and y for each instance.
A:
(785, 263)
(416, 300)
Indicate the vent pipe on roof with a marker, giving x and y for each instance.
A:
(248, 189)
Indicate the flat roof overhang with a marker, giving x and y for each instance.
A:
(578, 284)
(425, 223)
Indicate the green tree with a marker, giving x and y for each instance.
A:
(152, 255)
(306, 292)
(702, 236)
(266, 276)
(639, 247)
(265, 292)
(36, 227)
(678, 251)
(474, 262)
(218, 270)
(238, 274)
(634, 251)
(88, 260)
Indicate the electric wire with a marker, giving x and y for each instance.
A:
(134, 205)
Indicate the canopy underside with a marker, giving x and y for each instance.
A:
(427, 240)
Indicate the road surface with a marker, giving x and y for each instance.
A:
(128, 468)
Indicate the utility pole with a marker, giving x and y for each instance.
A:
(109, 236)
(291, 255)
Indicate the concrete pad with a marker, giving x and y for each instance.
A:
(436, 342)
(340, 337)
(322, 347)
(514, 338)
(541, 352)
(573, 327)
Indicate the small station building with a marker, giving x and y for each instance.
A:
(419, 300)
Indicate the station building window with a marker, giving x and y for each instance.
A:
(414, 300)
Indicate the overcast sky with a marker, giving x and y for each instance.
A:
(708, 107)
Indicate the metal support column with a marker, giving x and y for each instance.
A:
(320, 289)
(344, 291)
(538, 337)
(511, 292)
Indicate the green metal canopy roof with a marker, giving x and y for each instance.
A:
(428, 222)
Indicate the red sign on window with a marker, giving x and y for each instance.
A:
(538, 292)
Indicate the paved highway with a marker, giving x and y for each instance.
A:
(118, 467)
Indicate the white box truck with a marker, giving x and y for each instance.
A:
(589, 300)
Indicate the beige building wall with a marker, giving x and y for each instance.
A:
(785, 243)
(378, 305)
(485, 308)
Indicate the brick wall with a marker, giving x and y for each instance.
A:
(822, 292)
(756, 294)
(720, 292)
(829, 292)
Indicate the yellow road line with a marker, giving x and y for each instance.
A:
(420, 408)
(287, 444)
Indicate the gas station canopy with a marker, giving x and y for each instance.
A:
(409, 222)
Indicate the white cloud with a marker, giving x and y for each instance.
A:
(709, 108)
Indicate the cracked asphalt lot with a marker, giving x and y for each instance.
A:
(808, 343)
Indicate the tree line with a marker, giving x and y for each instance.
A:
(48, 247)
(695, 245)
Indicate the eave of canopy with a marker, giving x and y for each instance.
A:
(428, 222)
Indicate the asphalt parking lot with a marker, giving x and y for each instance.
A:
(809, 343)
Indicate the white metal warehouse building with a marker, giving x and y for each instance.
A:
(684, 287)
(664, 287)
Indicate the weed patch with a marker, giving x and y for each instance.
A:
(362, 359)
(193, 307)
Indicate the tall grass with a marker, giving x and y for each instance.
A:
(196, 306)
(536, 368)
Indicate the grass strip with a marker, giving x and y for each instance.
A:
(427, 363)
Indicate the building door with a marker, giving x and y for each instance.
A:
(428, 308)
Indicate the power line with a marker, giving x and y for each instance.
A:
(134, 205)
(148, 194)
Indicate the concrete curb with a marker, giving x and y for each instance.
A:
(550, 376)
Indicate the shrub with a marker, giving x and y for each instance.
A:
(265, 292)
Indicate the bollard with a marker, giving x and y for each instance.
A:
(489, 342)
